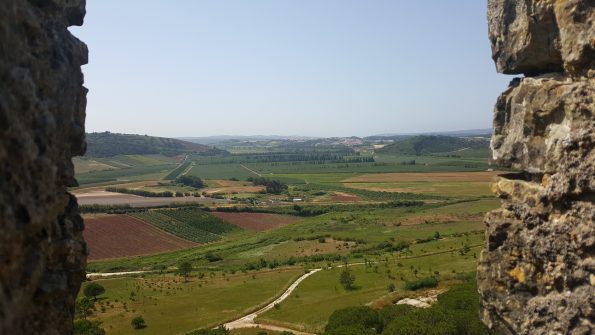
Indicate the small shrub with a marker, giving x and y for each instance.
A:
(427, 282)
(86, 327)
(138, 322)
(347, 279)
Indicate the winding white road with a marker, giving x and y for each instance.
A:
(248, 320)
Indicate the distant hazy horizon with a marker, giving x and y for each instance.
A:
(301, 68)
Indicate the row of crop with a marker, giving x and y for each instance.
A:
(200, 220)
(176, 172)
(175, 227)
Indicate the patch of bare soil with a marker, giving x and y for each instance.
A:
(345, 197)
(257, 221)
(116, 236)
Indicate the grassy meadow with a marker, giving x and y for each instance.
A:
(170, 305)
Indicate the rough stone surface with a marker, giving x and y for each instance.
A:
(540, 36)
(576, 21)
(42, 112)
(537, 272)
(545, 125)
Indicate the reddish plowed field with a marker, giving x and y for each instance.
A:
(115, 236)
(345, 198)
(257, 221)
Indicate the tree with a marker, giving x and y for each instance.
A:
(358, 320)
(93, 290)
(184, 270)
(138, 322)
(192, 181)
(347, 279)
(86, 327)
(272, 186)
(83, 307)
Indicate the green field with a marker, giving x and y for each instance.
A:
(133, 173)
(368, 227)
(220, 171)
(171, 306)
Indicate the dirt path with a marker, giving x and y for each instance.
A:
(248, 320)
(249, 169)
(112, 274)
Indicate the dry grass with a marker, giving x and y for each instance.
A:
(485, 176)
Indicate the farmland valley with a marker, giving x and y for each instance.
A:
(280, 236)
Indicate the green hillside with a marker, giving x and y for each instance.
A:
(108, 144)
(437, 144)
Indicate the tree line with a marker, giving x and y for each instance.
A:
(319, 157)
(272, 186)
(142, 193)
(191, 181)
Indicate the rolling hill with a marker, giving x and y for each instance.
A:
(436, 144)
(108, 144)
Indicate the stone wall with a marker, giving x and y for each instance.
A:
(42, 117)
(537, 273)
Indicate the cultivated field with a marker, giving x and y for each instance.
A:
(234, 189)
(117, 236)
(82, 166)
(190, 224)
(454, 184)
(344, 197)
(257, 221)
(112, 198)
(486, 176)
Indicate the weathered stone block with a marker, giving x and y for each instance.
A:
(524, 36)
(42, 116)
(545, 124)
(534, 37)
(535, 276)
(576, 21)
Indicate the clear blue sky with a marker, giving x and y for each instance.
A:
(301, 67)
